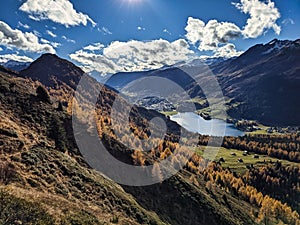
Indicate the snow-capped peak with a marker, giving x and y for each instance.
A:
(276, 45)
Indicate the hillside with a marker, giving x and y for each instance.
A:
(40, 175)
(265, 80)
(45, 180)
(46, 168)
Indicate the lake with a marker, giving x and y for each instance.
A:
(214, 127)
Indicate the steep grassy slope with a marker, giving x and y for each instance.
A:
(34, 169)
(40, 163)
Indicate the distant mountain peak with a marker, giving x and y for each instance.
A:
(49, 54)
(7, 70)
(50, 69)
(15, 65)
(276, 45)
(273, 41)
(286, 43)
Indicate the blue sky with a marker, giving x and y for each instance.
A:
(128, 35)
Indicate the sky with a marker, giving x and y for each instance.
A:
(112, 36)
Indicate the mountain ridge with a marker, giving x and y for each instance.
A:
(245, 81)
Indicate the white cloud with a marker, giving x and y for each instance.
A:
(217, 36)
(94, 47)
(263, 16)
(34, 18)
(24, 41)
(51, 34)
(58, 11)
(227, 51)
(45, 41)
(141, 28)
(15, 57)
(167, 31)
(54, 44)
(104, 30)
(36, 33)
(68, 39)
(288, 21)
(26, 26)
(91, 61)
(210, 35)
(134, 56)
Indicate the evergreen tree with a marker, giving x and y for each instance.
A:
(58, 133)
(60, 107)
(43, 94)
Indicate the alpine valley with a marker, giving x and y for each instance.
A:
(254, 179)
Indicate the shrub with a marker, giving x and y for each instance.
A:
(115, 219)
(4, 86)
(79, 218)
(7, 172)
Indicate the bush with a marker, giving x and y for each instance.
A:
(4, 86)
(115, 219)
(79, 218)
(43, 94)
(8, 132)
(7, 172)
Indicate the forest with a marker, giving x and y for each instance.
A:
(271, 187)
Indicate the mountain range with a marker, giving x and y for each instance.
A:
(261, 84)
(15, 65)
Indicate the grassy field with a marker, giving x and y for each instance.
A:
(170, 113)
(199, 100)
(231, 161)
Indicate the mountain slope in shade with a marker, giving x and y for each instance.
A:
(266, 80)
(50, 69)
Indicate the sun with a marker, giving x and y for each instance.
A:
(132, 1)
